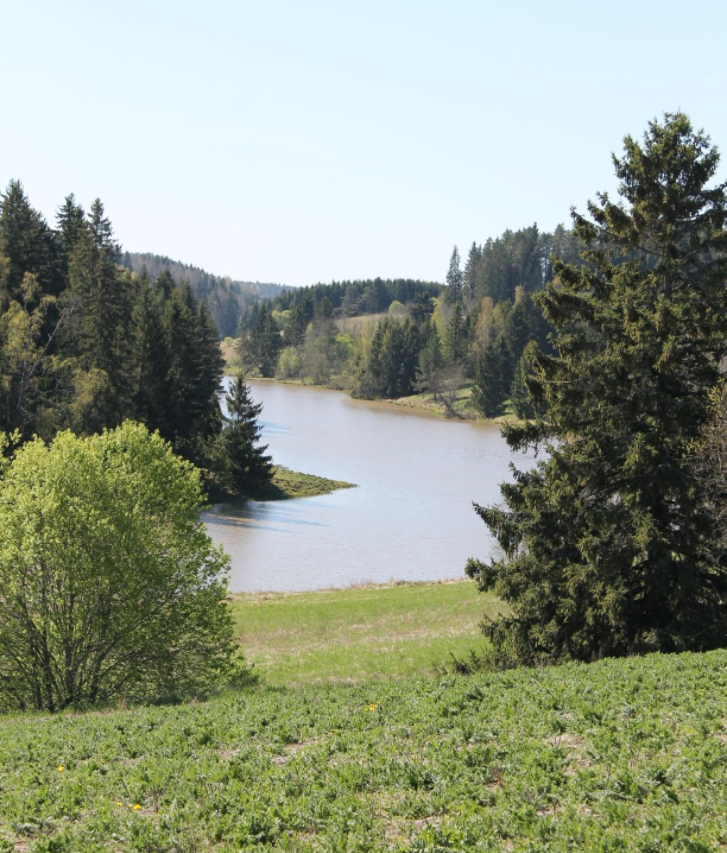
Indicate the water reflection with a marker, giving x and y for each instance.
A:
(246, 514)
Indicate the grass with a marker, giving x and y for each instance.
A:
(359, 634)
(627, 755)
(460, 407)
(287, 484)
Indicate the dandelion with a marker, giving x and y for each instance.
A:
(119, 803)
(136, 807)
(372, 707)
(61, 768)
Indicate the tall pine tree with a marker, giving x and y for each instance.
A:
(250, 468)
(490, 387)
(453, 293)
(150, 358)
(604, 542)
(455, 340)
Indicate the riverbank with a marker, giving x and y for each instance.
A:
(287, 485)
(369, 633)
(457, 407)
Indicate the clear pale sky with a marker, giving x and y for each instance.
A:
(297, 142)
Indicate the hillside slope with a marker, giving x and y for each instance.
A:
(225, 297)
(626, 755)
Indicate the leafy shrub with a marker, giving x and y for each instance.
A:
(110, 587)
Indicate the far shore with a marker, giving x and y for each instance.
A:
(426, 404)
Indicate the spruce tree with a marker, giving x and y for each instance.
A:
(211, 369)
(490, 388)
(391, 367)
(150, 359)
(455, 340)
(422, 308)
(27, 245)
(431, 360)
(604, 541)
(453, 293)
(97, 336)
(185, 406)
(165, 283)
(264, 343)
(520, 398)
(470, 270)
(250, 468)
(71, 220)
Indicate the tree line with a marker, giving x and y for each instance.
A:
(86, 344)
(385, 339)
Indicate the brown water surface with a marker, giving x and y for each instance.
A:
(410, 518)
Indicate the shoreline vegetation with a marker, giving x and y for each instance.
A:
(287, 485)
(459, 408)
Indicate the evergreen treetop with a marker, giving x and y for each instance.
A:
(453, 293)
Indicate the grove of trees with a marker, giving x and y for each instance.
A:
(394, 338)
(86, 343)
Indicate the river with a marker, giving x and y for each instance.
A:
(410, 517)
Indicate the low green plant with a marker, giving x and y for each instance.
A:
(622, 755)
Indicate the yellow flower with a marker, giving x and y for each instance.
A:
(136, 807)
(61, 769)
(372, 707)
(119, 803)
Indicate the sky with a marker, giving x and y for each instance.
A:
(297, 142)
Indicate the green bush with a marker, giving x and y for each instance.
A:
(110, 587)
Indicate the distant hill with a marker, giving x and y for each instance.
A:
(225, 297)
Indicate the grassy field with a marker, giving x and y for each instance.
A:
(359, 634)
(626, 755)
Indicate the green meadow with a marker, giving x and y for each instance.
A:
(360, 634)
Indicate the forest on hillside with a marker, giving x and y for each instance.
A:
(387, 338)
(226, 298)
(392, 338)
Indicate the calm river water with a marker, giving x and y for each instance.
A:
(410, 518)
